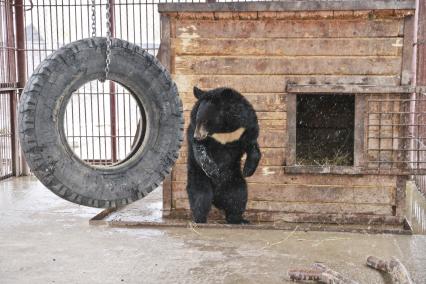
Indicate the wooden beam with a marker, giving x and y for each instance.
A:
(401, 184)
(421, 45)
(359, 129)
(290, 143)
(339, 170)
(167, 195)
(164, 51)
(351, 170)
(319, 5)
(349, 89)
(407, 52)
(164, 56)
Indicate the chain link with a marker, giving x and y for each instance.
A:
(108, 35)
(93, 18)
(108, 39)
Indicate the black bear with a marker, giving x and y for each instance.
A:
(223, 127)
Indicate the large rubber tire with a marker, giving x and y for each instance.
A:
(41, 115)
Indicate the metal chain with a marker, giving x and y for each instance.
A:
(93, 18)
(108, 39)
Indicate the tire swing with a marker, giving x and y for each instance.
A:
(41, 122)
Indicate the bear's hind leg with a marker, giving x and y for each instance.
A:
(234, 201)
(200, 196)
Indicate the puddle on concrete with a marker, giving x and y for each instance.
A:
(416, 209)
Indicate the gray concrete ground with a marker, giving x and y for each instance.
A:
(44, 239)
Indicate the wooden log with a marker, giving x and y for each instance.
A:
(319, 273)
(303, 274)
(332, 276)
(394, 267)
(289, 28)
(289, 47)
(300, 65)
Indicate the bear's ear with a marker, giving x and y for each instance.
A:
(198, 93)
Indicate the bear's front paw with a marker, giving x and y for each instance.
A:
(248, 172)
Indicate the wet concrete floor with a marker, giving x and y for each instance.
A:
(44, 239)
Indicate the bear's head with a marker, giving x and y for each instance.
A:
(221, 113)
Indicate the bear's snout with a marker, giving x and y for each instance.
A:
(200, 133)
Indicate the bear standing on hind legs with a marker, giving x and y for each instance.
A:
(223, 127)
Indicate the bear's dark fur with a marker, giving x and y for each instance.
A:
(223, 127)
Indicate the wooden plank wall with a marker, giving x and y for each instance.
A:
(258, 54)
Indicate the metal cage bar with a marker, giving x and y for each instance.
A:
(395, 135)
(8, 91)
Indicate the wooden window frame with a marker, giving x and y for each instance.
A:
(291, 166)
(359, 91)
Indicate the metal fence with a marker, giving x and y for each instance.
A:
(102, 123)
(420, 141)
(101, 119)
(7, 91)
(6, 157)
(395, 133)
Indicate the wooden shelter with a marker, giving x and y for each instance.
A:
(331, 82)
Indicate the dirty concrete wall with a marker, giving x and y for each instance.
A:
(258, 53)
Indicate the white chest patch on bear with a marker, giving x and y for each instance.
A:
(228, 137)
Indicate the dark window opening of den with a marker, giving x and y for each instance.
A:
(325, 130)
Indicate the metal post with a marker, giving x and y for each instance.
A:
(20, 42)
(21, 64)
(14, 134)
(112, 100)
(10, 43)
